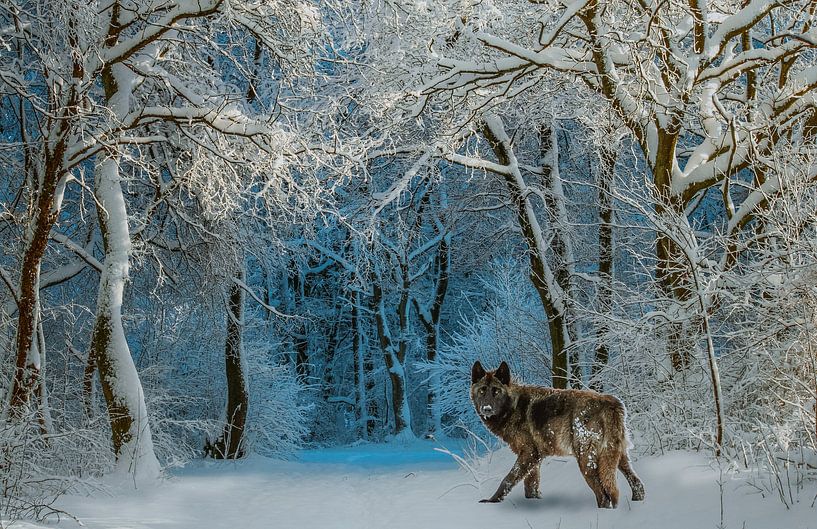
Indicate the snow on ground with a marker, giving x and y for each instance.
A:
(413, 486)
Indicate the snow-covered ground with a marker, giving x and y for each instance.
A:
(413, 486)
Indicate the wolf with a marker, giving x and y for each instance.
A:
(537, 422)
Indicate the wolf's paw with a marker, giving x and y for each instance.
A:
(491, 500)
(535, 495)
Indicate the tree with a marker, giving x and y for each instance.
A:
(655, 75)
(231, 443)
(159, 84)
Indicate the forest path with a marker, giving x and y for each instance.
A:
(412, 486)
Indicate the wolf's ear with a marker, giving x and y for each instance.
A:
(503, 373)
(477, 372)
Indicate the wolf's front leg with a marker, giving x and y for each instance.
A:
(532, 483)
(521, 469)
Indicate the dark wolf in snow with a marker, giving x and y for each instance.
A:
(537, 422)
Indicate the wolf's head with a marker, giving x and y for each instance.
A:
(489, 390)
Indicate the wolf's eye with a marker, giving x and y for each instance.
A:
(481, 391)
(496, 391)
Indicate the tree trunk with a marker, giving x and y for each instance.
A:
(430, 319)
(556, 211)
(671, 271)
(46, 211)
(606, 176)
(44, 408)
(300, 337)
(231, 443)
(130, 429)
(550, 294)
(394, 356)
(360, 367)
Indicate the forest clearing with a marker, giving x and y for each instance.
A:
(404, 486)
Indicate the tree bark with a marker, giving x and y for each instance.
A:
(431, 323)
(46, 207)
(606, 176)
(540, 273)
(359, 367)
(231, 443)
(127, 411)
(394, 354)
(556, 211)
(300, 339)
(671, 272)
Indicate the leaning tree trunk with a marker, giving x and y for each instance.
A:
(231, 443)
(127, 411)
(46, 207)
(550, 293)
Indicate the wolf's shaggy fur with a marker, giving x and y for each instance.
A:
(537, 422)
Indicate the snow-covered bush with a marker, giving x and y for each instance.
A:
(509, 327)
(185, 386)
(36, 469)
(277, 418)
(175, 420)
(47, 451)
(43, 456)
(761, 316)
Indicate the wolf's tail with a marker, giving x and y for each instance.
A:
(617, 434)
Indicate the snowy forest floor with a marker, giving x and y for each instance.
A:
(413, 486)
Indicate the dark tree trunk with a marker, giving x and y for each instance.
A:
(556, 212)
(231, 443)
(359, 366)
(26, 373)
(431, 324)
(394, 353)
(557, 324)
(672, 272)
(606, 176)
(300, 337)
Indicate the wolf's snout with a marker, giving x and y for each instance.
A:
(487, 409)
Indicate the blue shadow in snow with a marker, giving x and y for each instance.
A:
(382, 455)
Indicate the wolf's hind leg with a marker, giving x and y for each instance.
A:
(596, 471)
(591, 475)
(632, 478)
(608, 463)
